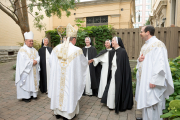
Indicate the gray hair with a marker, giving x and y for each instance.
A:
(88, 38)
(44, 39)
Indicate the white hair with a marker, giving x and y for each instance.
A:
(44, 39)
(88, 38)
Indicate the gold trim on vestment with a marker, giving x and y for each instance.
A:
(64, 65)
(145, 51)
(32, 56)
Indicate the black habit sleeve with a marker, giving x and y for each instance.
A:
(43, 76)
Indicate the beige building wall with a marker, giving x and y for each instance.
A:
(162, 9)
(10, 32)
(116, 17)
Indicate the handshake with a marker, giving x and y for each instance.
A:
(90, 61)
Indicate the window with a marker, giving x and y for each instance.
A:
(138, 8)
(140, 13)
(148, 1)
(138, 2)
(148, 7)
(147, 13)
(146, 18)
(97, 21)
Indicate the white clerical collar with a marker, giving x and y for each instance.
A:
(27, 46)
(87, 46)
(117, 48)
(147, 41)
(109, 49)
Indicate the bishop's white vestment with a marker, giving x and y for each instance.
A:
(104, 60)
(155, 70)
(27, 75)
(67, 81)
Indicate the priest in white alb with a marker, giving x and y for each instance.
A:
(154, 79)
(102, 58)
(27, 70)
(68, 73)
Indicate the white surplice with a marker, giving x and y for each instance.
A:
(103, 59)
(155, 70)
(27, 75)
(67, 80)
(47, 67)
(88, 90)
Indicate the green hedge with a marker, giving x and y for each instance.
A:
(100, 33)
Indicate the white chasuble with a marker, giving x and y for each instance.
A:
(67, 79)
(103, 59)
(155, 70)
(111, 91)
(47, 67)
(27, 75)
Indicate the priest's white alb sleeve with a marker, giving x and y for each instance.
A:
(158, 68)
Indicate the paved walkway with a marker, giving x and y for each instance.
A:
(13, 109)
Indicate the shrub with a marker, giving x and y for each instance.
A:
(36, 45)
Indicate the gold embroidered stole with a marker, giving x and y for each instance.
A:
(32, 56)
(145, 51)
(64, 64)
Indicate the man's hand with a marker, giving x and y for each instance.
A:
(152, 85)
(90, 61)
(141, 58)
(34, 62)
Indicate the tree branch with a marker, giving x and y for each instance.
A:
(6, 7)
(8, 13)
(31, 14)
(11, 3)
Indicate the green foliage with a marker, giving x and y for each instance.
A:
(55, 38)
(174, 110)
(100, 33)
(79, 22)
(36, 44)
(14, 76)
(175, 71)
(147, 22)
(51, 7)
(134, 87)
(14, 67)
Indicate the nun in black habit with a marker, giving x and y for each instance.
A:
(44, 53)
(92, 82)
(118, 92)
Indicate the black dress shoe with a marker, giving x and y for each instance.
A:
(58, 116)
(138, 118)
(65, 118)
(26, 100)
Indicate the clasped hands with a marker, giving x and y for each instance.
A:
(90, 61)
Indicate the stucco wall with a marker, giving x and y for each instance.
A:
(116, 17)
